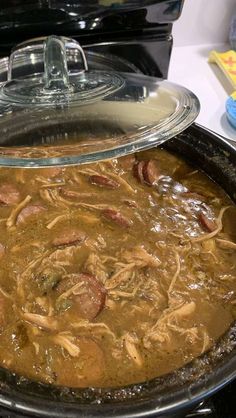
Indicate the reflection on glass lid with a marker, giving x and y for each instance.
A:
(70, 117)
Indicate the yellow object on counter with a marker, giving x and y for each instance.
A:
(233, 95)
(227, 63)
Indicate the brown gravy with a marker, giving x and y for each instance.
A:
(115, 272)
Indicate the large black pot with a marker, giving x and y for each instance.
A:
(169, 396)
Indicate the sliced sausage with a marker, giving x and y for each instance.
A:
(138, 171)
(103, 181)
(206, 222)
(116, 217)
(69, 237)
(29, 211)
(89, 297)
(76, 195)
(9, 195)
(151, 172)
(127, 162)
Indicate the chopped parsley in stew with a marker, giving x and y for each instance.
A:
(114, 272)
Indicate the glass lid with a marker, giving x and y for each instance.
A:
(70, 116)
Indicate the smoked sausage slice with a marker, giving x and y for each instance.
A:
(117, 218)
(9, 195)
(151, 172)
(103, 181)
(69, 237)
(206, 222)
(29, 211)
(89, 296)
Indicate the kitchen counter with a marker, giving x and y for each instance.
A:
(189, 66)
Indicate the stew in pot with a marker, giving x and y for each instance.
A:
(114, 272)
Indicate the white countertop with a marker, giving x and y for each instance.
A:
(189, 67)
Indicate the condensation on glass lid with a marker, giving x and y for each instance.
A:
(60, 117)
(98, 130)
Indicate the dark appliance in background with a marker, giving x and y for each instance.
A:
(131, 35)
(136, 31)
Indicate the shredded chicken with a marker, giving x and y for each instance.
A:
(6, 294)
(76, 178)
(216, 231)
(49, 185)
(209, 245)
(33, 263)
(140, 257)
(88, 172)
(122, 275)
(178, 266)
(192, 173)
(61, 201)
(95, 266)
(47, 196)
(47, 323)
(20, 173)
(11, 221)
(116, 177)
(206, 341)
(57, 219)
(225, 244)
(107, 258)
(45, 304)
(110, 304)
(66, 341)
(17, 248)
(191, 334)
(74, 290)
(122, 181)
(100, 206)
(123, 291)
(160, 331)
(97, 327)
(41, 179)
(61, 257)
(37, 347)
(88, 218)
(123, 294)
(130, 343)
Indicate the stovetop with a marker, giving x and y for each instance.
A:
(133, 36)
(221, 405)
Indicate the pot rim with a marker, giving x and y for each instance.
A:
(148, 399)
(203, 389)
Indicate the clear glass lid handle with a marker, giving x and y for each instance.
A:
(54, 48)
(55, 64)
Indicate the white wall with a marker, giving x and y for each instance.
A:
(204, 22)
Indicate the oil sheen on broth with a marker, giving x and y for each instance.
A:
(115, 272)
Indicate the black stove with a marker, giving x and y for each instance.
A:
(221, 405)
(134, 35)
(138, 31)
